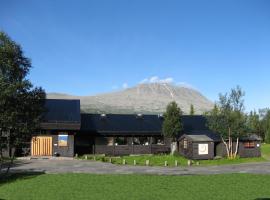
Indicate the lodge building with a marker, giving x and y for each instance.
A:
(65, 131)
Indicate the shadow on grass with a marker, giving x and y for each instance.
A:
(12, 177)
(262, 199)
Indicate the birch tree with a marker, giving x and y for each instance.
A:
(229, 120)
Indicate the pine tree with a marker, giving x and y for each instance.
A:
(192, 110)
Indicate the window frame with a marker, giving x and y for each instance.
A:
(249, 144)
(185, 143)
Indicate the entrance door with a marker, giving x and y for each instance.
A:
(41, 146)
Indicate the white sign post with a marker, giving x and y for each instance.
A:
(203, 149)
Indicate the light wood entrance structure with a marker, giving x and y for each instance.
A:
(41, 146)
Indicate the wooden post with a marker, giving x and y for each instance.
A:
(151, 141)
(166, 164)
(134, 162)
(132, 143)
(176, 163)
(147, 162)
(113, 146)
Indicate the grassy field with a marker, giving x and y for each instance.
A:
(87, 186)
(159, 160)
(266, 151)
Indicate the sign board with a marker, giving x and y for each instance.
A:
(62, 140)
(203, 149)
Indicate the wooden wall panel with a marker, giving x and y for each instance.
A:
(41, 146)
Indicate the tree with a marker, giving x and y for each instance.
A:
(192, 110)
(266, 126)
(228, 119)
(21, 104)
(172, 124)
(255, 124)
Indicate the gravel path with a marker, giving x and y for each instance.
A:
(84, 166)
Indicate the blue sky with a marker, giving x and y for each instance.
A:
(90, 47)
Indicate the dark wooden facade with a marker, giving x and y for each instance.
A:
(62, 117)
(189, 147)
(246, 148)
(131, 148)
(98, 134)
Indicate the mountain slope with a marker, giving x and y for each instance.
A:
(143, 98)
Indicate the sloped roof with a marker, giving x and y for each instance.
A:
(145, 124)
(214, 136)
(121, 123)
(251, 137)
(61, 114)
(198, 138)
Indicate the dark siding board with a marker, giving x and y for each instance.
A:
(139, 149)
(191, 151)
(196, 156)
(220, 150)
(188, 152)
(242, 151)
(84, 144)
(60, 126)
(159, 149)
(104, 149)
(122, 150)
(63, 151)
(249, 152)
(131, 149)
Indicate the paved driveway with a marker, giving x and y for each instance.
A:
(84, 166)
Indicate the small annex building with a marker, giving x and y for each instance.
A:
(197, 147)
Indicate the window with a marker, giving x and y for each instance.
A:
(185, 143)
(121, 141)
(104, 141)
(62, 140)
(158, 140)
(249, 144)
(141, 140)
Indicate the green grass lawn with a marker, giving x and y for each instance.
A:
(266, 151)
(159, 160)
(98, 187)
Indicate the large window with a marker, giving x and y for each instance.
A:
(159, 140)
(141, 141)
(249, 144)
(104, 141)
(121, 141)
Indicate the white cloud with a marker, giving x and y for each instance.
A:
(156, 79)
(168, 80)
(125, 86)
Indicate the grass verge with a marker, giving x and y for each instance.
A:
(117, 187)
(159, 160)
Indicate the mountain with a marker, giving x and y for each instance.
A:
(144, 98)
